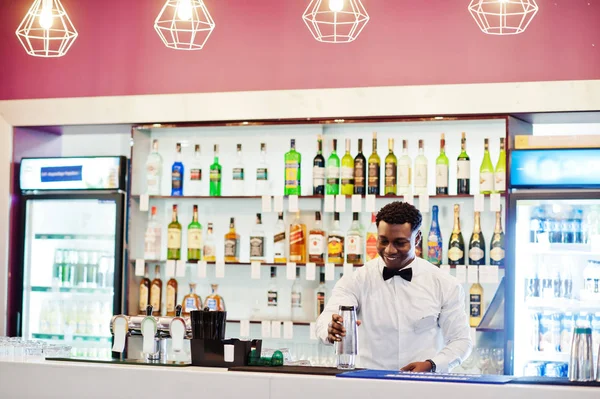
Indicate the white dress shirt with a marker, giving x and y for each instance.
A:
(402, 321)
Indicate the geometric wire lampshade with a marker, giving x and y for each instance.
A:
(46, 30)
(503, 17)
(335, 21)
(184, 24)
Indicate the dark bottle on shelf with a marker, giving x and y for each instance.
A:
(463, 169)
(497, 253)
(456, 246)
(477, 244)
(319, 170)
(360, 170)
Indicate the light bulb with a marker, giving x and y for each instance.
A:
(184, 10)
(46, 18)
(336, 5)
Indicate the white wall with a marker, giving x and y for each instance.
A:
(89, 140)
(566, 129)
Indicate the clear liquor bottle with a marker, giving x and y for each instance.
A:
(293, 161)
(177, 173)
(194, 185)
(319, 169)
(347, 171)
(238, 178)
(262, 173)
(273, 296)
(296, 298)
(210, 248)
(500, 171)
(486, 171)
(174, 237)
(215, 174)
(232, 244)
(214, 302)
(391, 170)
(421, 171)
(257, 241)
(153, 237)
(404, 170)
(441, 169)
(332, 186)
(154, 165)
(354, 242)
(194, 238)
(279, 241)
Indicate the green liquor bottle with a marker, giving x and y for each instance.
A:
(347, 171)
(486, 171)
(374, 169)
(215, 175)
(174, 238)
(194, 238)
(293, 160)
(391, 167)
(441, 169)
(332, 186)
(463, 168)
(500, 172)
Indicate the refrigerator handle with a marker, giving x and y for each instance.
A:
(18, 324)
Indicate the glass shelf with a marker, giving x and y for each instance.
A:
(248, 263)
(61, 337)
(108, 237)
(301, 196)
(563, 305)
(296, 323)
(73, 290)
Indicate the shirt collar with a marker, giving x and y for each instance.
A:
(414, 265)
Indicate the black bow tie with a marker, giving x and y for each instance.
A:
(406, 274)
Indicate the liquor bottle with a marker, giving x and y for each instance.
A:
(319, 169)
(191, 301)
(214, 302)
(347, 171)
(156, 292)
(360, 171)
(419, 247)
(434, 241)
(497, 245)
(463, 168)
(210, 248)
(171, 296)
(144, 298)
(354, 242)
(194, 238)
(500, 171)
(321, 296)
(215, 175)
(456, 246)
(476, 304)
(273, 296)
(332, 186)
(335, 242)
(477, 244)
(194, 185)
(257, 241)
(232, 244)
(177, 173)
(174, 237)
(293, 161)
(486, 171)
(153, 238)
(316, 241)
(154, 165)
(391, 167)
(371, 245)
(262, 173)
(441, 169)
(405, 174)
(279, 241)
(298, 240)
(296, 298)
(238, 178)
(374, 169)
(421, 171)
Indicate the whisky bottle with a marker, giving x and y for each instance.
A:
(477, 244)
(321, 295)
(441, 169)
(194, 238)
(210, 248)
(232, 244)
(319, 169)
(238, 177)
(404, 170)
(335, 242)
(463, 168)
(177, 173)
(476, 304)
(279, 241)
(456, 246)
(374, 169)
(298, 240)
(174, 237)
(391, 169)
(316, 241)
(194, 185)
(293, 161)
(191, 301)
(156, 292)
(257, 241)
(354, 242)
(347, 171)
(371, 245)
(171, 296)
(152, 238)
(144, 298)
(497, 253)
(214, 302)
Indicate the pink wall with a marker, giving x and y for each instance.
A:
(264, 45)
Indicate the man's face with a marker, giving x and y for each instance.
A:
(396, 244)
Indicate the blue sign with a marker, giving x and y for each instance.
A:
(441, 377)
(61, 173)
(560, 168)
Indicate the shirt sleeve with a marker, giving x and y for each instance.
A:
(455, 327)
(345, 292)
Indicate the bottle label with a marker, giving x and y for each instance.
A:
(238, 174)
(463, 169)
(390, 174)
(373, 174)
(209, 250)
(359, 174)
(195, 174)
(316, 245)
(296, 300)
(211, 303)
(257, 247)
(190, 304)
(434, 249)
(475, 305)
(194, 239)
(347, 175)
(176, 178)
(455, 254)
(497, 254)
(296, 234)
(354, 245)
(262, 174)
(371, 246)
(155, 298)
(152, 241)
(230, 247)
(320, 302)
(404, 175)
(335, 248)
(153, 177)
(171, 298)
(292, 174)
(500, 182)
(143, 298)
(272, 298)
(486, 182)
(278, 244)
(441, 175)
(420, 175)
(318, 176)
(215, 175)
(476, 254)
(174, 239)
(333, 175)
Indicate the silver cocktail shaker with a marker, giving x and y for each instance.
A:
(581, 363)
(347, 349)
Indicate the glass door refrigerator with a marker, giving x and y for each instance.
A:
(554, 270)
(73, 219)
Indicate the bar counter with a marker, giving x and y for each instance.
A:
(52, 379)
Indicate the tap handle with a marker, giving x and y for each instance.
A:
(178, 310)
(149, 309)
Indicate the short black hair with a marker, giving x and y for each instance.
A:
(398, 212)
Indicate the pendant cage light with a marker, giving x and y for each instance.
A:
(503, 17)
(184, 24)
(46, 30)
(335, 21)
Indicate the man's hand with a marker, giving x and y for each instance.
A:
(336, 330)
(417, 367)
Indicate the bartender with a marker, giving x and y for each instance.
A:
(411, 314)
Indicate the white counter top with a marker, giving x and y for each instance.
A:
(50, 379)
